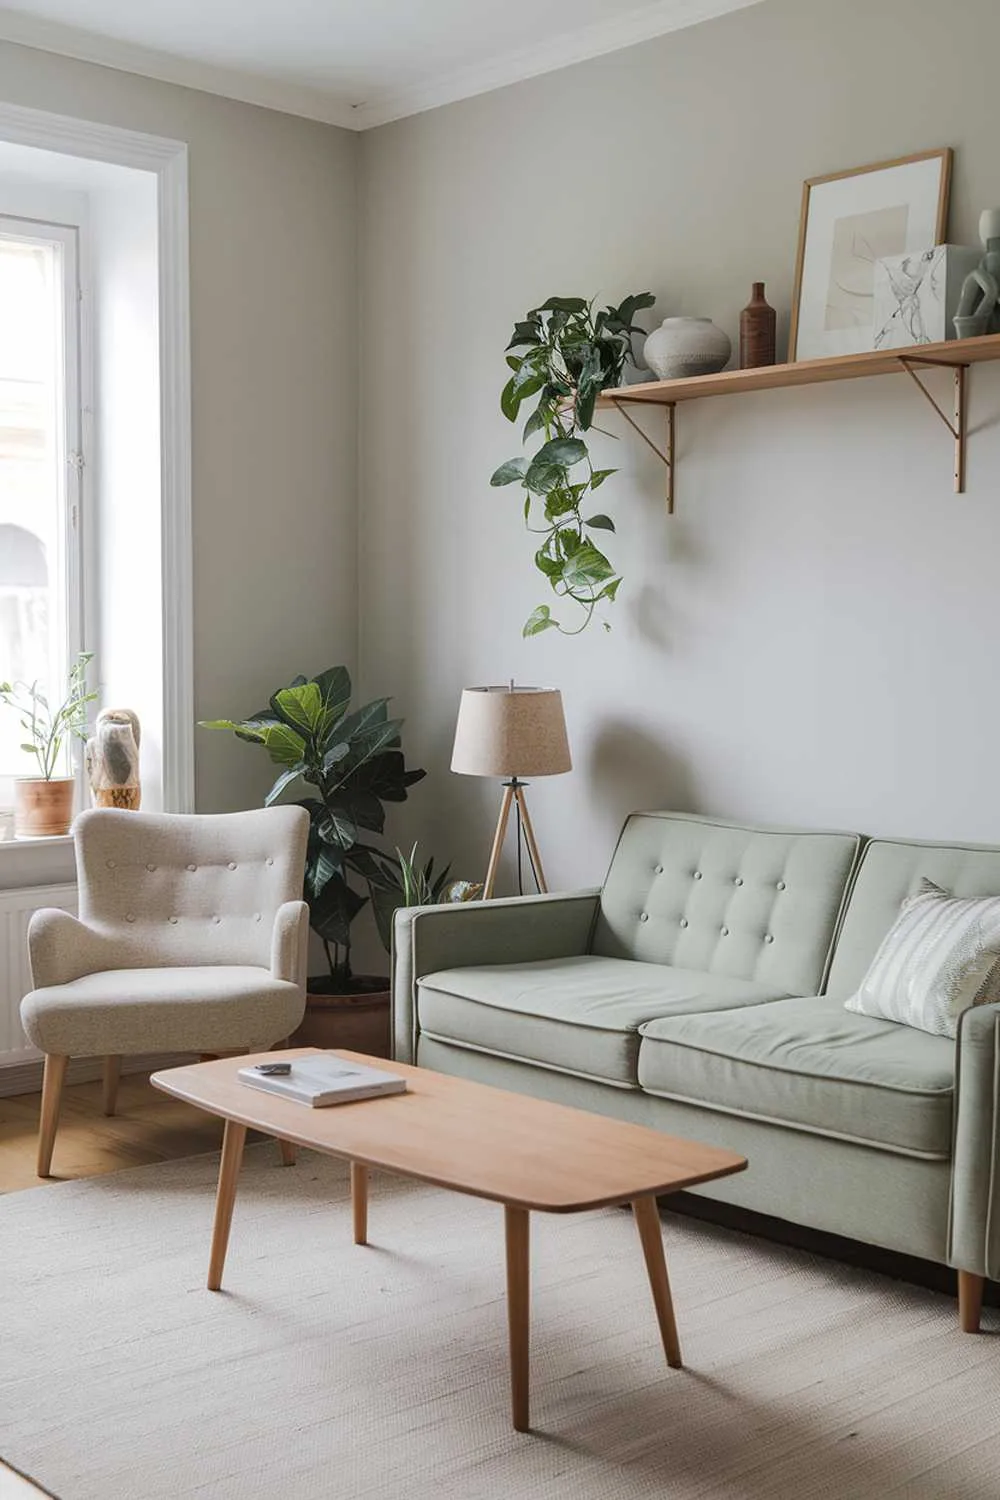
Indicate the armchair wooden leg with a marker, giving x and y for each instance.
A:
(970, 1300)
(52, 1085)
(112, 1073)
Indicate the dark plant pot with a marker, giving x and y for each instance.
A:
(355, 1019)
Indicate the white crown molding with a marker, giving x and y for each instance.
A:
(563, 51)
(169, 161)
(648, 21)
(167, 67)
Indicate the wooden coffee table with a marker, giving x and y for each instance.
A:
(524, 1153)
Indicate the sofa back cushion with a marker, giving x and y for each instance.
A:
(890, 871)
(700, 893)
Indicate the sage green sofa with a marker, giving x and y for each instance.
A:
(701, 991)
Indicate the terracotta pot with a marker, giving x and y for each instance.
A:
(357, 1021)
(43, 809)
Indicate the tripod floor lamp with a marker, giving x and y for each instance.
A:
(511, 733)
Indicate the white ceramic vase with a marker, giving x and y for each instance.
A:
(681, 347)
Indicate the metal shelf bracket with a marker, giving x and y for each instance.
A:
(957, 423)
(667, 456)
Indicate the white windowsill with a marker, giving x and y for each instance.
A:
(55, 841)
(30, 862)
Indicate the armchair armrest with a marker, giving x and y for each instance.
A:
(290, 943)
(61, 948)
(520, 929)
(974, 1227)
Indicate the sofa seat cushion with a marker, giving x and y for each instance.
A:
(580, 1015)
(198, 1008)
(811, 1064)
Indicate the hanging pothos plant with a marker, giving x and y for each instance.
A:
(570, 354)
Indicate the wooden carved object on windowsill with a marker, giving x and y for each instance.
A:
(112, 760)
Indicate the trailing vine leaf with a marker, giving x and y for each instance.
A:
(510, 472)
(567, 354)
(540, 619)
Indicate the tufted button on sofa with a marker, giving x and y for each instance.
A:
(170, 952)
(702, 990)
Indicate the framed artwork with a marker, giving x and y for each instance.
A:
(849, 221)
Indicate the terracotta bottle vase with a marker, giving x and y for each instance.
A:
(757, 326)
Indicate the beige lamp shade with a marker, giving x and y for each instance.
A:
(511, 731)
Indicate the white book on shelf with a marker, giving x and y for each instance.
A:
(325, 1078)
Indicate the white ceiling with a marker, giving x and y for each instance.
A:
(349, 62)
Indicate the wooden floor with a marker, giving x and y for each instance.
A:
(148, 1127)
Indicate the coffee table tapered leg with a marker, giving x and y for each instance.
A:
(359, 1202)
(229, 1171)
(647, 1220)
(516, 1224)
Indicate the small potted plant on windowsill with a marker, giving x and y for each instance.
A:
(43, 804)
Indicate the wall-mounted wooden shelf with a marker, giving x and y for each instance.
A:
(956, 355)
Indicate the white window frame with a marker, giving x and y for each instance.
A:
(168, 160)
(69, 587)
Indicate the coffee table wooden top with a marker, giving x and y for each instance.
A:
(465, 1136)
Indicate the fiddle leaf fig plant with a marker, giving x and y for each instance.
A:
(565, 353)
(352, 763)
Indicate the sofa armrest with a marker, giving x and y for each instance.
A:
(974, 1225)
(520, 929)
(290, 943)
(61, 948)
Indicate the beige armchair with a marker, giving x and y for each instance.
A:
(191, 937)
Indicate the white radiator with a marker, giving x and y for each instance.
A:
(16, 908)
(20, 1062)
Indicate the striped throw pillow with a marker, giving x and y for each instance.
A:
(940, 956)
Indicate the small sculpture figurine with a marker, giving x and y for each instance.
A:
(112, 760)
(979, 305)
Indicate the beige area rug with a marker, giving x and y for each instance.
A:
(329, 1371)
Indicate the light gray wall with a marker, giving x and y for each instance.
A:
(813, 639)
(273, 286)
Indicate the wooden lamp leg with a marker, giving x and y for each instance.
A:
(498, 838)
(52, 1085)
(529, 838)
(111, 1075)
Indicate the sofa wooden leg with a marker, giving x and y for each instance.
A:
(970, 1300)
(52, 1085)
(112, 1074)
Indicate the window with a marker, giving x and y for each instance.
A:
(40, 466)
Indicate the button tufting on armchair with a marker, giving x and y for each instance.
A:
(191, 937)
